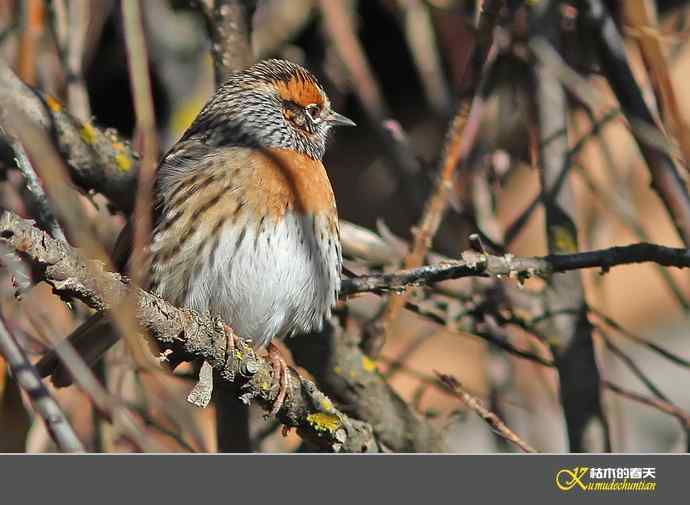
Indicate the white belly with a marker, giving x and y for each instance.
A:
(268, 284)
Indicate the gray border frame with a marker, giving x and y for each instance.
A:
(324, 479)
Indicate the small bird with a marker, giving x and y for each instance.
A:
(245, 220)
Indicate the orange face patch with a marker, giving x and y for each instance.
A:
(300, 90)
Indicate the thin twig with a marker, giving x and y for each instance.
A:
(613, 202)
(71, 27)
(459, 141)
(419, 32)
(666, 179)
(33, 17)
(137, 59)
(501, 343)
(45, 214)
(661, 405)
(489, 417)
(643, 15)
(483, 265)
(637, 371)
(45, 405)
(640, 340)
(513, 230)
(84, 377)
(632, 366)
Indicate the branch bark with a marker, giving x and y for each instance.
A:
(189, 335)
(229, 26)
(350, 377)
(476, 264)
(99, 160)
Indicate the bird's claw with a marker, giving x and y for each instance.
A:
(282, 372)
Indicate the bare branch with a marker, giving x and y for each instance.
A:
(486, 265)
(335, 359)
(666, 179)
(38, 196)
(460, 139)
(491, 418)
(569, 326)
(137, 59)
(99, 160)
(45, 405)
(229, 26)
(190, 334)
(70, 25)
(656, 403)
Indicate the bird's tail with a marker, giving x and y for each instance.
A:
(91, 340)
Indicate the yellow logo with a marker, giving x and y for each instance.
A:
(567, 479)
(606, 479)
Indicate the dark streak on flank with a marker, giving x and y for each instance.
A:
(258, 231)
(216, 234)
(236, 212)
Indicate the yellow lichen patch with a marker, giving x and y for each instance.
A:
(368, 364)
(324, 422)
(53, 104)
(326, 405)
(563, 240)
(87, 133)
(123, 162)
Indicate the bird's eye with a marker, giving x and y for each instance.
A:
(314, 112)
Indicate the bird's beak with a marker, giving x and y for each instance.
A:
(336, 119)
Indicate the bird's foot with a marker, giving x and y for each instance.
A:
(232, 339)
(282, 372)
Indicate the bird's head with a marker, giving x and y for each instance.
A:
(273, 104)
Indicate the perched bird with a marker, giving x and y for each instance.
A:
(246, 226)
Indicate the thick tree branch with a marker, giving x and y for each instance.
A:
(229, 26)
(99, 160)
(351, 378)
(191, 335)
